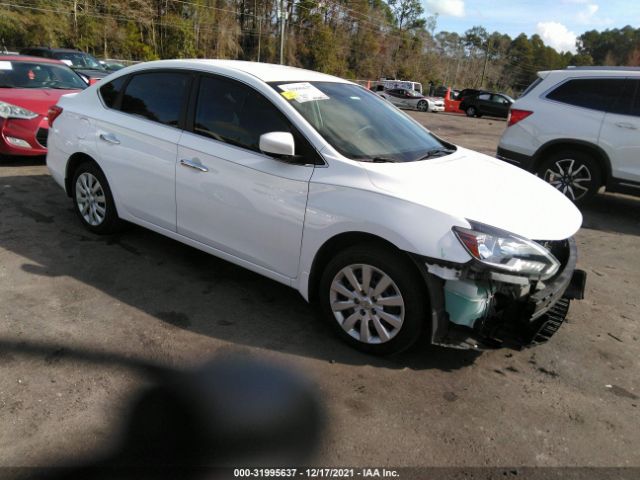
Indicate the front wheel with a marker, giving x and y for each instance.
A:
(471, 111)
(423, 106)
(374, 298)
(575, 174)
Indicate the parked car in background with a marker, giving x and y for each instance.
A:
(83, 63)
(29, 86)
(579, 130)
(411, 99)
(111, 66)
(466, 92)
(320, 184)
(486, 103)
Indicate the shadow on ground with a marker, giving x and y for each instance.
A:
(613, 213)
(177, 284)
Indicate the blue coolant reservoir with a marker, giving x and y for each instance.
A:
(466, 301)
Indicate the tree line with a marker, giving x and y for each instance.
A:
(357, 39)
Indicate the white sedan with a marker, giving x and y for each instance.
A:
(412, 99)
(296, 175)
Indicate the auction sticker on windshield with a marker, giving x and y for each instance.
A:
(301, 92)
(5, 65)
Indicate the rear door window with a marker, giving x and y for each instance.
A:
(627, 101)
(157, 96)
(594, 93)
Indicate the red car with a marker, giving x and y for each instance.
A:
(29, 86)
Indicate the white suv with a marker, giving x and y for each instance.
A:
(296, 175)
(578, 129)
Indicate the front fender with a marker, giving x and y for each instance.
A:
(333, 210)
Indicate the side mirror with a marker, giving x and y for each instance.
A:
(278, 144)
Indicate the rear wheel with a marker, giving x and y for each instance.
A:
(93, 200)
(471, 111)
(374, 299)
(575, 174)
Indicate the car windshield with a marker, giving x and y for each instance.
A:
(16, 74)
(78, 60)
(359, 124)
(414, 93)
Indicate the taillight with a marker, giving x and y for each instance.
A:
(516, 115)
(54, 112)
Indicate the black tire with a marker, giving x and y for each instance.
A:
(406, 281)
(110, 222)
(582, 175)
(471, 111)
(423, 106)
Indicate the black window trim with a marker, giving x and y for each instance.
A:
(545, 95)
(128, 77)
(190, 114)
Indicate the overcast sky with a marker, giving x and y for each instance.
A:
(558, 22)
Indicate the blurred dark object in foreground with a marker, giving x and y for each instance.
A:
(231, 412)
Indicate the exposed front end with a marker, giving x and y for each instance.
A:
(486, 306)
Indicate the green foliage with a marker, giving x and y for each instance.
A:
(360, 39)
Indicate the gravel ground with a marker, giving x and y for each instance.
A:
(572, 402)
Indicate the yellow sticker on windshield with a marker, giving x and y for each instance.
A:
(302, 92)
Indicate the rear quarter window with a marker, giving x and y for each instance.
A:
(110, 92)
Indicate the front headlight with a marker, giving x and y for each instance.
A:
(508, 252)
(8, 110)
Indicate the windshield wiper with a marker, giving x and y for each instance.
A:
(7, 86)
(376, 160)
(436, 152)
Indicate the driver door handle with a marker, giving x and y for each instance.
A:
(109, 138)
(195, 164)
(628, 125)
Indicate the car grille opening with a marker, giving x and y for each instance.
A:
(41, 136)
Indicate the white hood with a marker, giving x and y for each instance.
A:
(477, 187)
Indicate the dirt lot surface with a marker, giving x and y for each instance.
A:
(572, 402)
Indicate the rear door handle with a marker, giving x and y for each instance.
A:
(109, 138)
(628, 125)
(195, 164)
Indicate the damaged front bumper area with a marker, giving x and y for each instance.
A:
(481, 308)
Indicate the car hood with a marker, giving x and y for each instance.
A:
(470, 185)
(34, 99)
(91, 73)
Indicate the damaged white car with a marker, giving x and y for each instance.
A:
(296, 175)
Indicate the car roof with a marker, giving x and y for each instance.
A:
(267, 72)
(590, 72)
(49, 49)
(31, 59)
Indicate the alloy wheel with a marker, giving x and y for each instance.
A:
(367, 303)
(90, 199)
(571, 177)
